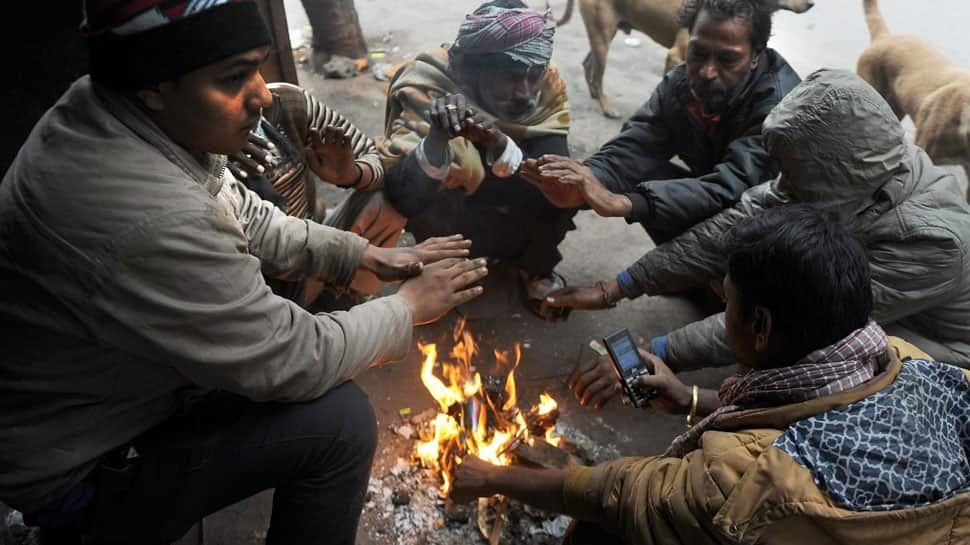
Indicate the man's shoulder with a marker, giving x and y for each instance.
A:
(842, 447)
(778, 73)
(84, 173)
(427, 68)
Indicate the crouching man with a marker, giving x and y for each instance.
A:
(459, 123)
(149, 375)
(840, 147)
(825, 435)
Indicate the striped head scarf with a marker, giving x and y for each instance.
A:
(509, 28)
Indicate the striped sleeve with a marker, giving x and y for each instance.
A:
(311, 114)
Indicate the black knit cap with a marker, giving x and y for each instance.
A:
(133, 61)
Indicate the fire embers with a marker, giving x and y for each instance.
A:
(476, 416)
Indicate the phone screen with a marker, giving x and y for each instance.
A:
(626, 352)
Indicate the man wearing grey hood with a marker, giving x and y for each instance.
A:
(840, 146)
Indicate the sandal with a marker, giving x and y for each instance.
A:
(535, 291)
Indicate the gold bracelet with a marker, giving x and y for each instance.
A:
(693, 406)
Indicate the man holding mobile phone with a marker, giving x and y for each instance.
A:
(787, 450)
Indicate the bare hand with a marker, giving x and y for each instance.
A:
(442, 286)
(447, 115)
(596, 382)
(394, 264)
(673, 396)
(253, 158)
(583, 297)
(477, 129)
(473, 480)
(561, 195)
(572, 172)
(331, 157)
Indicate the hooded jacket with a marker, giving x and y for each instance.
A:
(132, 280)
(723, 164)
(840, 146)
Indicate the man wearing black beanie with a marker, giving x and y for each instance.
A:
(150, 377)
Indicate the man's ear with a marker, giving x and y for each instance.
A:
(755, 59)
(152, 99)
(761, 328)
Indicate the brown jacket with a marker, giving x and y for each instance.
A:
(739, 487)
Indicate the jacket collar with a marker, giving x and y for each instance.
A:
(209, 175)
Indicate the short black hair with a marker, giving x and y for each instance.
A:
(808, 267)
(756, 12)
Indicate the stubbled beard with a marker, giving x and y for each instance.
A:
(716, 99)
(527, 108)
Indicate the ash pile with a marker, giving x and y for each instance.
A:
(405, 505)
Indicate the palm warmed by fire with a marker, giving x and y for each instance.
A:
(477, 419)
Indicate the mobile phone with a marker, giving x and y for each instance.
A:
(630, 366)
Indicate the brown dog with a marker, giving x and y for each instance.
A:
(658, 19)
(919, 81)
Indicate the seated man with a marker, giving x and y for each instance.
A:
(149, 376)
(459, 123)
(840, 146)
(301, 143)
(708, 112)
(823, 437)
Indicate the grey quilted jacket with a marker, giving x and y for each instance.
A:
(841, 146)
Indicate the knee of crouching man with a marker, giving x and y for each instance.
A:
(360, 423)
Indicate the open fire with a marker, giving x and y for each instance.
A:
(477, 416)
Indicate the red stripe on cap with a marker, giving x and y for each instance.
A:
(102, 15)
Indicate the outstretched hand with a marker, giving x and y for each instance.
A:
(472, 480)
(442, 286)
(596, 382)
(596, 297)
(395, 264)
(560, 195)
(573, 173)
(331, 156)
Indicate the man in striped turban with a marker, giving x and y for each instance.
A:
(461, 120)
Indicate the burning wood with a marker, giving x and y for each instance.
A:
(480, 417)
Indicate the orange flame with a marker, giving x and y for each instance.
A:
(469, 422)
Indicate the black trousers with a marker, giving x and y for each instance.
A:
(317, 455)
(588, 533)
(526, 234)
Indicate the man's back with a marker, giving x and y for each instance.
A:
(886, 461)
(64, 215)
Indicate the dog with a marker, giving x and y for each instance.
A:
(658, 19)
(917, 80)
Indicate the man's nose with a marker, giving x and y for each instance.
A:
(259, 96)
(524, 90)
(708, 70)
